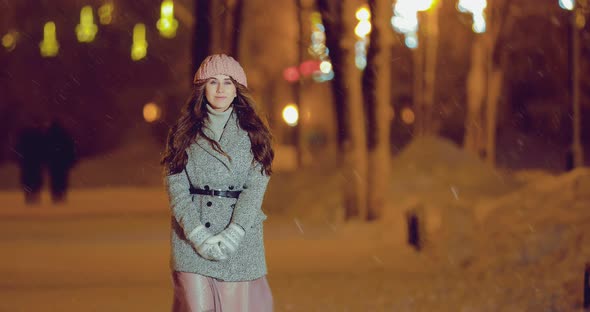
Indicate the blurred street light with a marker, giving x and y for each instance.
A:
(167, 24)
(49, 46)
(151, 112)
(476, 8)
(408, 116)
(362, 29)
(105, 13)
(139, 47)
(86, 30)
(325, 67)
(567, 4)
(318, 37)
(363, 14)
(405, 19)
(291, 114)
(9, 40)
(318, 48)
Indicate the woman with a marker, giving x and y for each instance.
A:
(218, 162)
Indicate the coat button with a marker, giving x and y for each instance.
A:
(209, 204)
(233, 205)
(231, 187)
(245, 187)
(206, 187)
(207, 225)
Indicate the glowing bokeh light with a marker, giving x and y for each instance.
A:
(411, 40)
(151, 112)
(291, 74)
(139, 47)
(472, 6)
(408, 116)
(9, 40)
(567, 4)
(86, 30)
(476, 8)
(291, 114)
(325, 67)
(167, 24)
(405, 19)
(307, 68)
(363, 14)
(49, 46)
(105, 13)
(362, 29)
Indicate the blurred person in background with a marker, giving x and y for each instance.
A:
(218, 162)
(61, 157)
(30, 151)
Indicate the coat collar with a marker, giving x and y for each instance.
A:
(228, 140)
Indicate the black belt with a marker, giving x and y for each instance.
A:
(218, 193)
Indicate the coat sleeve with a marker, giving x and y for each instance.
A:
(249, 204)
(183, 209)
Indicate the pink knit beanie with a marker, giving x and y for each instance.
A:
(221, 64)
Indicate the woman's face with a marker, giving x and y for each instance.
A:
(220, 91)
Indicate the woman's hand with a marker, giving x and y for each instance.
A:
(211, 250)
(230, 238)
(206, 245)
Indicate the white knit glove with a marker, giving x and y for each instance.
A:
(230, 238)
(206, 245)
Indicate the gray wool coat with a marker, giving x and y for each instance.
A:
(207, 168)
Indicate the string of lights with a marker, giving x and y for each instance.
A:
(87, 30)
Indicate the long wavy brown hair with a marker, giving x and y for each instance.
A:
(193, 117)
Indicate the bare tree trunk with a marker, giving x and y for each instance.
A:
(425, 61)
(476, 93)
(339, 22)
(236, 7)
(298, 85)
(577, 149)
(201, 34)
(355, 153)
(418, 74)
(218, 19)
(495, 80)
(331, 11)
(379, 100)
(500, 22)
(431, 55)
(486, 80)
(226, 16)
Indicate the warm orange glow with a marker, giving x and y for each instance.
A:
(291, 114)
(151, 112)
(105, 13)
(408, 116)
(9, 40)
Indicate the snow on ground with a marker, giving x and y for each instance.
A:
(495, 241)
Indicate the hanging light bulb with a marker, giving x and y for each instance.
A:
(139, 47)
(49, 46)
(86, 30)
(167, 24)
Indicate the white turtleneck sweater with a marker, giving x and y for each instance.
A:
(217, 120)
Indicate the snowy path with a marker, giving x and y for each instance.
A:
(107, 250)
(98, 263)
(115, 258)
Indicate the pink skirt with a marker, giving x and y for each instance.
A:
(198, 293)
